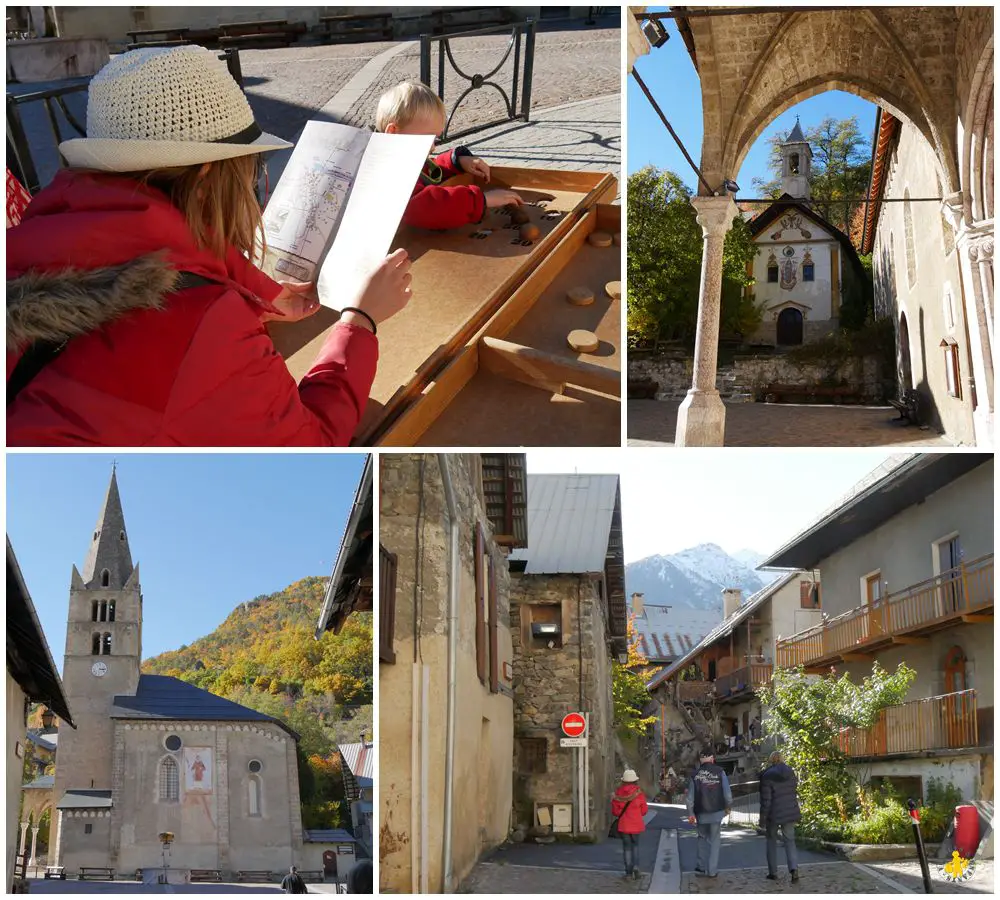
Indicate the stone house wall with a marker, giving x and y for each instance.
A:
(549, 683)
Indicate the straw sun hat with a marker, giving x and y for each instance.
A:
(166, 106)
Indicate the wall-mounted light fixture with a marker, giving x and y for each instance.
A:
(655, 33)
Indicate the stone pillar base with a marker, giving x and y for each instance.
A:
(701, 420)
(982, 422)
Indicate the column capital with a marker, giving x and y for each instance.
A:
(715, 214)
(953, 209)
(979, 239)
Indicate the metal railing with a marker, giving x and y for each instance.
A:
(961, 591)
(517, 107)
(746, 678)
(746, 804)
(19, 156)
(947, 722)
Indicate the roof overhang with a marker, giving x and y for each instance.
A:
(350, 587)
(910, 483)
(85, 799)
(29, 660)
(886, 128)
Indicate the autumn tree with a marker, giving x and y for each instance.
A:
(841, 168)
(664, 262)
(628, 688)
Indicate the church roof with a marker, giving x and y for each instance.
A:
(80, 799)
(164, 697)
(41, 783)
(784, 204)
(109, 545)
(796, 136)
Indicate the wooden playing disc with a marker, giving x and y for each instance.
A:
(580, 296)
(600, 239)
(519, 216)
(618, 239)
(614, 290)
(530, 232)
(583, 341)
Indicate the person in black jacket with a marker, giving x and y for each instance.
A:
(292, 883)
(779, 806)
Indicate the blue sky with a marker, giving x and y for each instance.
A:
(671, 78)
(740, 499)
(207, 530)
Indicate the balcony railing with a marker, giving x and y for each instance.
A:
(694, 691)
(934, 723)
(747, 678)
(962, 591)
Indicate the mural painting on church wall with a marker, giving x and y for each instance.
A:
(789, 270)
(198, 770)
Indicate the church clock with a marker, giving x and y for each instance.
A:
(99, 669)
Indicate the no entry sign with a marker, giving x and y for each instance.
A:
(574, 724)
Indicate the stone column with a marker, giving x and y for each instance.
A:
(34, 843)
(24, 837)
(701, 419)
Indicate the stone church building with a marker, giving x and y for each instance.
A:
(152, 754)
(804, 266)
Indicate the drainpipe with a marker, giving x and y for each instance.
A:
(449, 760)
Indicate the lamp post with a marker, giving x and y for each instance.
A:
(166, 839)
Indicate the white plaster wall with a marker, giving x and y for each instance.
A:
(814, 294)
(15, 736)
(929, 314)
(787, 615)
(961, 771)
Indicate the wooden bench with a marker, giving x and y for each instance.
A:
(313, 877)
(206, 875)
(467, 17)
(361, 27)
(96, 873)
(775, 393)
(256, 876)
(264, 35)
(158, 34)
(140, 44)
(908, 407)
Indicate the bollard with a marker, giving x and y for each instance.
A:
(921, 853)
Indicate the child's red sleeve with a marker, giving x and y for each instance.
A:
(439, 208)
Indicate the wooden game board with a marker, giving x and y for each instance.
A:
(459, 283)
(516, 382)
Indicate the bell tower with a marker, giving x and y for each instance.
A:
(796, 164)
(103, 650)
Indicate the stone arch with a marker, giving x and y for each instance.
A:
(977, 140)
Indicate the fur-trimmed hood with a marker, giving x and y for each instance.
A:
(58, 306)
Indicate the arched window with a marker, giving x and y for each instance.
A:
(95, 645)
(911, 254)
(105, 578)
(106, 644)
(121, 535)
(169, 781)
(111, 611)
(253, 795)
(102, 610)
(93, 611)
(793, 163)
(772, 273)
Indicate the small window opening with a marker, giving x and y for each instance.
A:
(105, 578)
(106, 644)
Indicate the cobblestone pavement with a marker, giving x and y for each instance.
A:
(816, 878)
(501, 878)
(571, 64)
(907, 873)
(654, 422)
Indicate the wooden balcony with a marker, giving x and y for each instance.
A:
(694, 691)
(962, 594)
(934, 723)
(742, 681)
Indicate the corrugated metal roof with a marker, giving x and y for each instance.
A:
(164, 697)
(359, 756)
(723, 629)
(569, 523)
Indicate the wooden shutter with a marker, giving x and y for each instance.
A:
(482, 664)
(494, 633)
(386, 605)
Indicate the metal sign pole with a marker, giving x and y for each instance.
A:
(586, 776)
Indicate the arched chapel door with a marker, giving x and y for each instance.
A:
(789, 327)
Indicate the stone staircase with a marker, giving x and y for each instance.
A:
(729, 388)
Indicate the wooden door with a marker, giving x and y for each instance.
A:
(874, 600)
(956, 709)
(789, 330)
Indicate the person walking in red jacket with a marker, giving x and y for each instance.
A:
(629, 807)
(411, 108)
(135, 315)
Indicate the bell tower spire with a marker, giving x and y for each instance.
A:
(109, 561)
(796, 164)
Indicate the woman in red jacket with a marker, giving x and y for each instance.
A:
(629, 806)
(134, 313)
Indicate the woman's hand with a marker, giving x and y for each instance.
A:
(501, 197)
(296, 301)
(475, 166)
(387, 290)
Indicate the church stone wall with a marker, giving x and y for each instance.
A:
(916, 274)
(413, 523)
(77, 846)
(550, 682)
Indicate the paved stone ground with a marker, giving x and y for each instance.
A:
(907, 873)
(500, 878)
(41, 886)
(815, 878)
(653, 423)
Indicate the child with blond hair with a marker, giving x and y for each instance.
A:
(412, 108)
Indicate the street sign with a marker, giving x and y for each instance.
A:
(574, 725)
(573, 742)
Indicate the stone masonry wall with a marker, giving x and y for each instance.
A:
(548, 683)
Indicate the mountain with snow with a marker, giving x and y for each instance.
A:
(695, 578)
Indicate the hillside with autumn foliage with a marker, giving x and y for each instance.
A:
(265, 656)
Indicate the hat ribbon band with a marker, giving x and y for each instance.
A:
(247, 136)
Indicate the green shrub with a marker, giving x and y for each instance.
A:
(888, 824)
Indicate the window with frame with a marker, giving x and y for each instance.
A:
(106, 644)
(386, 605)
(482, 573)
(532, 755)
(808, 272)
(253, 795)
(169, 780)
(88, 828)
(873, 588)
(952, 370)
(95, 645)
(772, 273)
(105, 578)
(809, 594)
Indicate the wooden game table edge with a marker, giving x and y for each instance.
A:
(487, 349)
